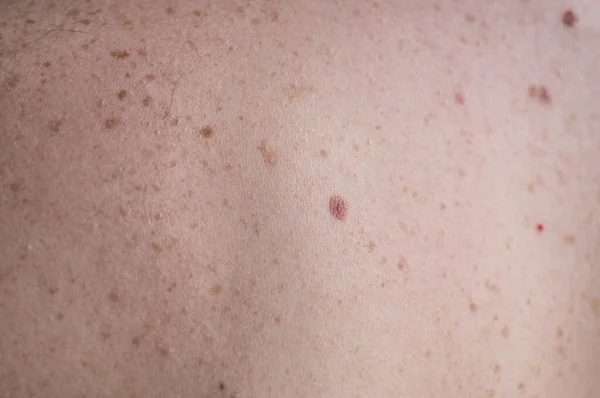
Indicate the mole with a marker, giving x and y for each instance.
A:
(338, 207)
(569, 18)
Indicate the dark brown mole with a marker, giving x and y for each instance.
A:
(569, 18)
(338, 207)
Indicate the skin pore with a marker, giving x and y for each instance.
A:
(299, 199)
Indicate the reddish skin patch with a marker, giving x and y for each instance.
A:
(569, 18)
(540, 227)
(459, 98)
(541, 93)
(338, 207)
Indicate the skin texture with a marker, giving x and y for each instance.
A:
(166, 173)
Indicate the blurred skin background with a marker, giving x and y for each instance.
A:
(299, 199)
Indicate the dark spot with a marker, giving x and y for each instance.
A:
(216, 290)
(569, 18)
(544, 95)
(469, 18)
(113, 297)
(47, 64)
(540, 227)
(521, 387)
(135, 341)
(150, 77)
(163, 352)
(147, 101)
(505, 331)
(169, 10)
(85, 21)
(156, 247)
(60, 316)
(52, 290)
(122, 94)
(119, 54)
(15, 187)
(221, 386)
(323, 153)
(54, 125)
(172, 287)
(277, 319)
(111, 122)
(473, 307)
(127, 75)
(338, 207)
(30, 21)
(207, 131)
(174, 122)
(198, 13)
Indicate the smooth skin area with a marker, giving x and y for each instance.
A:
(299, 199)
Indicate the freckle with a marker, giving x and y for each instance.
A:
(532, 90)
(277, 319)
(127, 75)
(371, 246)
(113, 297)
(169, 10)
(473, 307)
(175, 122)
(521, 387)
(207, 131)
(569, 18)
(147, 100)
(559, 332)
(156, 247)
(135, 341)
(122, 94)
(338, 207)
(30, 21)
(15, 187)
(268, 155)
(198, 13)
(544, 95)
(497, 369)
(54, 125)
(323, 153)
(111, 122)
(119, 54)
(216, 290)
(52, 290)
(150, 77)
(85, 21)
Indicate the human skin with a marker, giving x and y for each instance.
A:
(166, 178)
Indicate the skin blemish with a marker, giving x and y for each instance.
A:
(540, 228)
(540, 93)
(268, 155)
(569, 19)
(111, 123)
(323, 153)
(338, 207)
(119, 54)
(207, 131)
(459, 98)
(122, 94)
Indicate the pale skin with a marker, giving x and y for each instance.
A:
(166, 175)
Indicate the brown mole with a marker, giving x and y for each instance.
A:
(338, 207)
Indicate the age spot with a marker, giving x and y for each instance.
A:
(338, 207)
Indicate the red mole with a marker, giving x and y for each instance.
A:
(338, 207)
